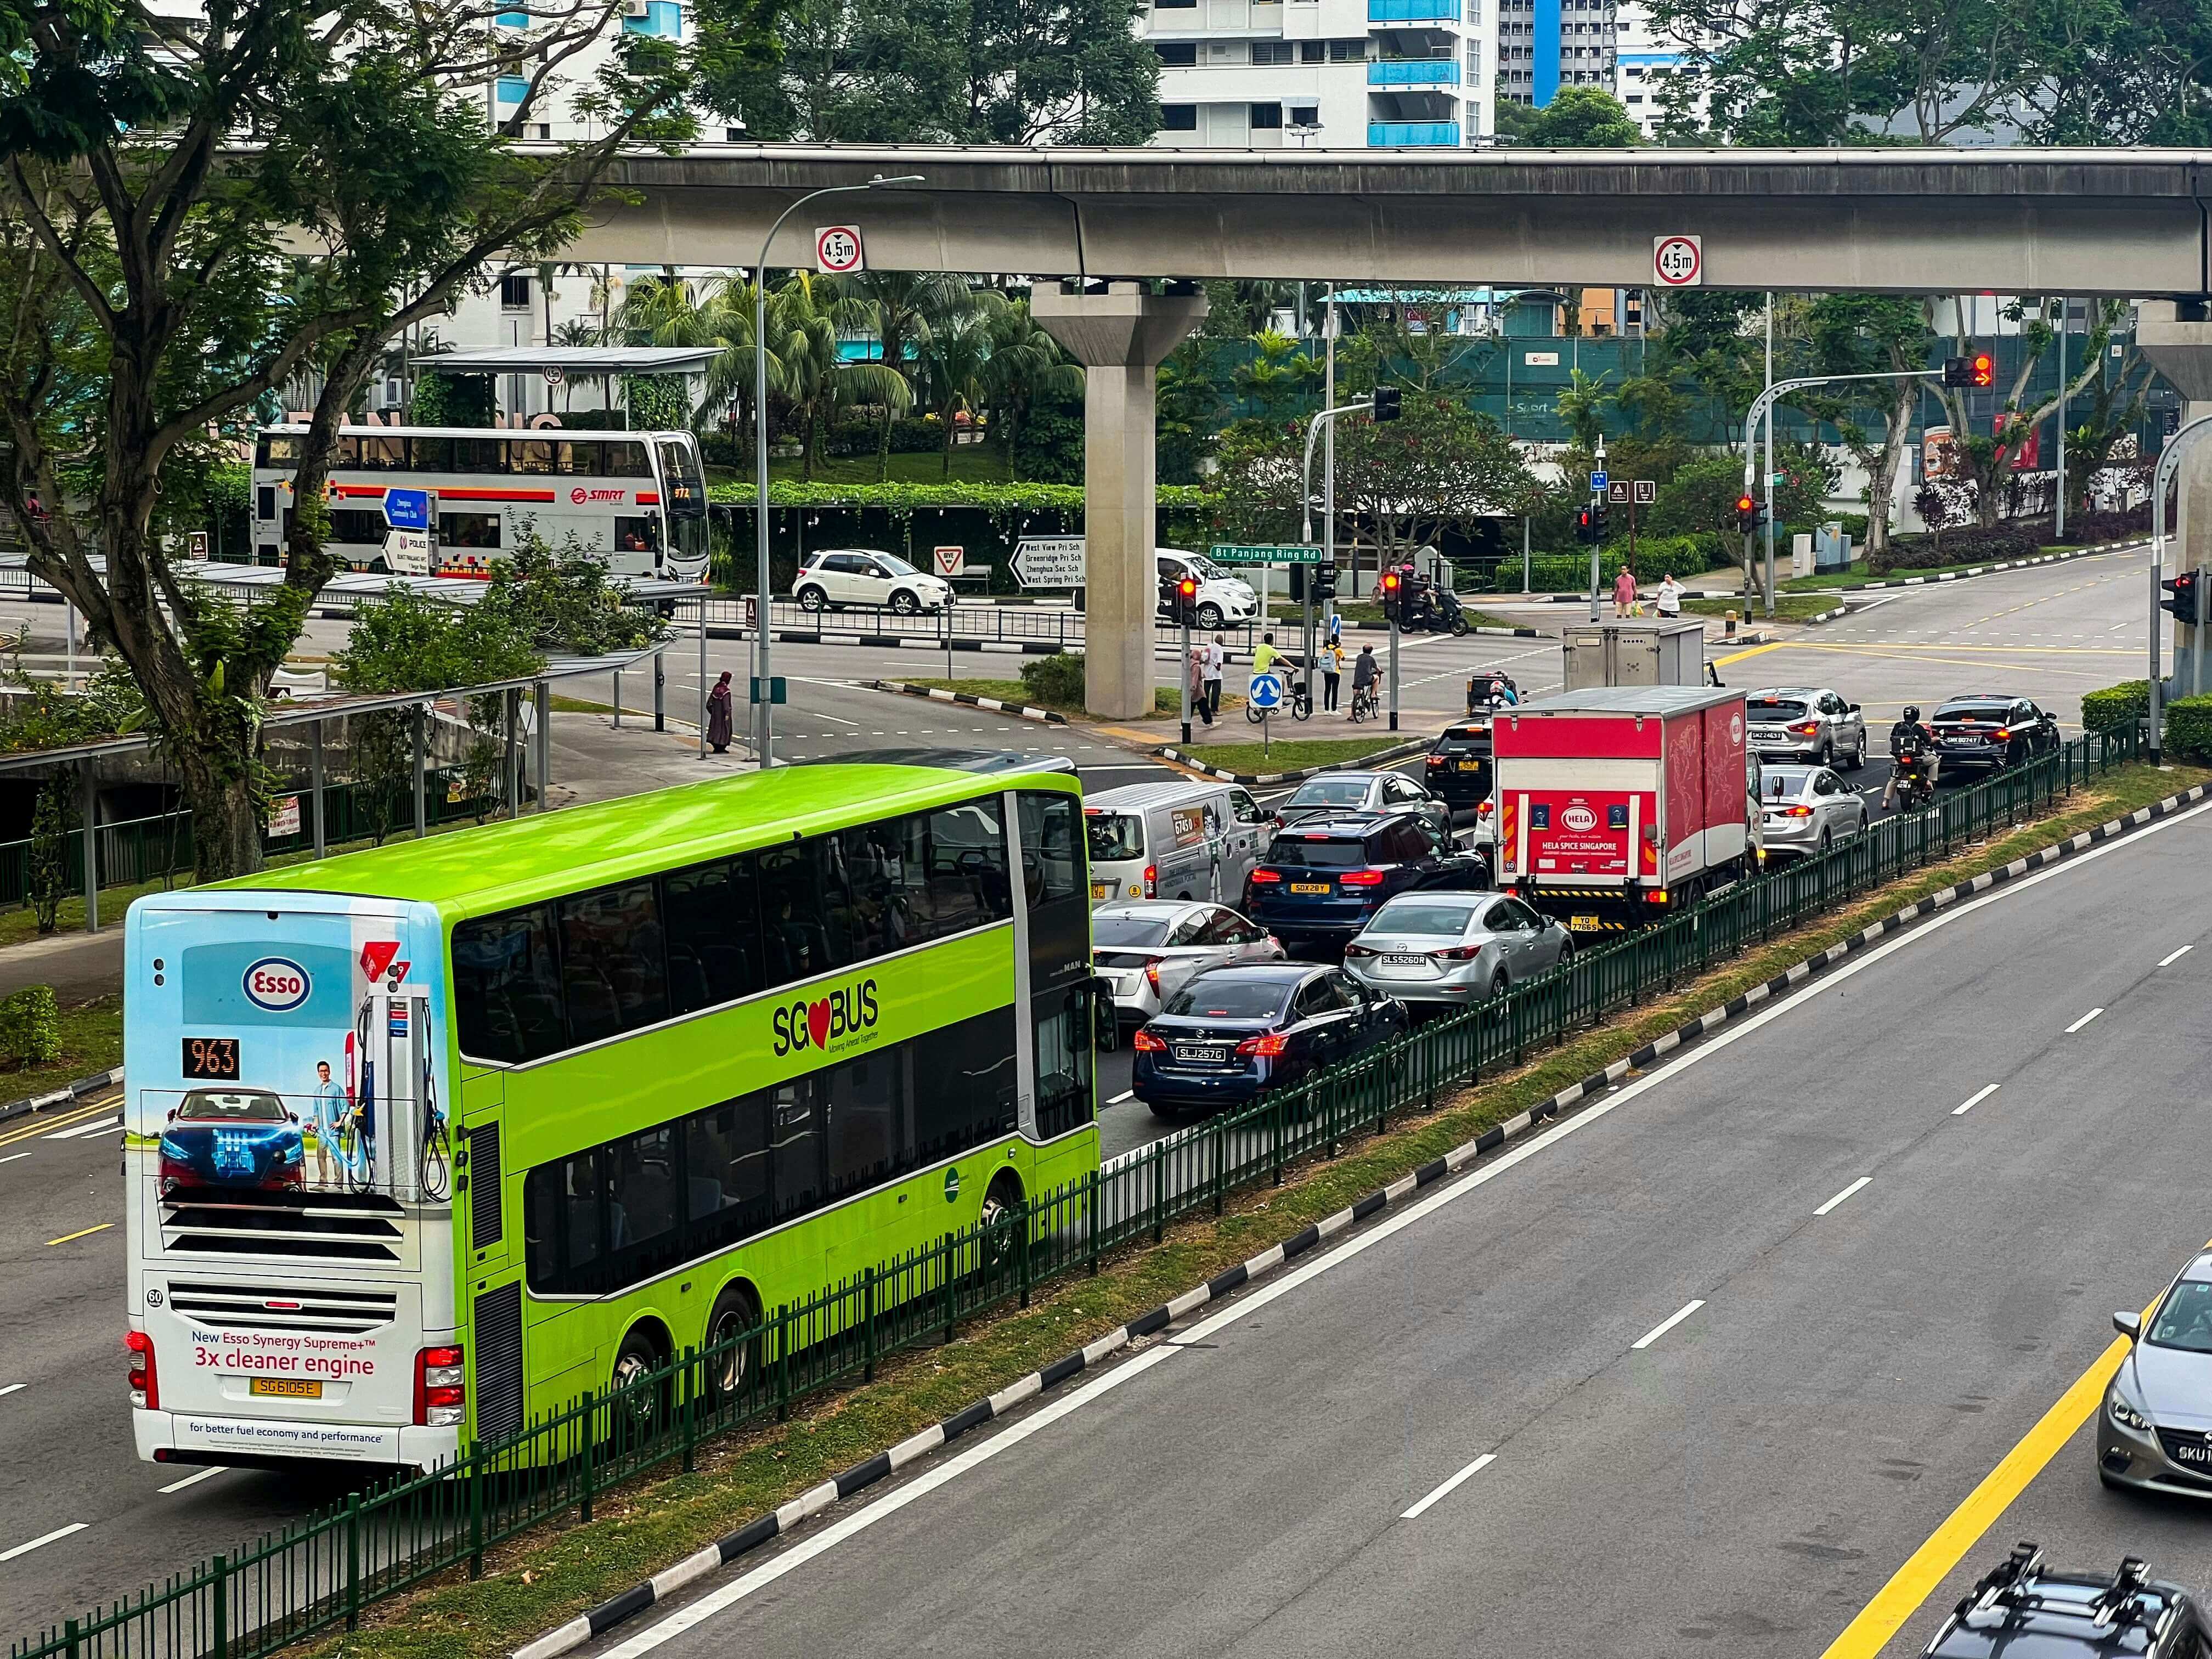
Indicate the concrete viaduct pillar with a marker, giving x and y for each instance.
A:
(1120, 337)
(2182, 351)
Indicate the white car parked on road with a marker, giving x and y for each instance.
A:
(833, 577)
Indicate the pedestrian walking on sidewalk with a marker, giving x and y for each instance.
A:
(1624, 593)
(718, 715)
(1194, 675)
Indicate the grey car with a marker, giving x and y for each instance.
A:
(1445, 947)
(1806, 809)
(1806, 723)
(1333, 794)
(1150, 948)
(2155, 1432)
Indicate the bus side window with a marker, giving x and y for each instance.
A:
(641, 1211)
(964, 1086)
(613, 972)
(713, 934)
(795, 924)
(866, 1100)
(430, 454)
(477, 530)
(623, 460)
(264, 502)
(1052, 853)
(530, 455)
(725, 1172)
(506, 987)
(563, 1222)
(795, 1148)
(479, 455)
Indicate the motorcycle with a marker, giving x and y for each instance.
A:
(1915, 794)
(1434, 610)
(1490, 691)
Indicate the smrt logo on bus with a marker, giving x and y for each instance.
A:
(818, 1024)
(580, 496)
(277, 984)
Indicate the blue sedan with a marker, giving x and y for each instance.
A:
(232, 1138)
(1232, 1034)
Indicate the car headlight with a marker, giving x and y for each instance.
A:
(2124, 1413)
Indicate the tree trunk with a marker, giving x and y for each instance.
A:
(944, 458)
(1881, 485)
(226, 820)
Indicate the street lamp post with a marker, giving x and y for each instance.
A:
(763, 732)
(1596, 496)
(1326, 421)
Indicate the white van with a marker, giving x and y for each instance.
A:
(1188, 839)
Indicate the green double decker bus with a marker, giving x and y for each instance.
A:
(428, 1141)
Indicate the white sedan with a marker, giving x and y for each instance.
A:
(1148, 948)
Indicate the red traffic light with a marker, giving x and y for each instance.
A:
(1984, 369)
(1391, 579)
(1745, 504)
(1187, 587)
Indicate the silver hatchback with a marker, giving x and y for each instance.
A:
(1806, 723)
(1455, 947)
(2155, 1430)
(1806, 809)
(1149, 949)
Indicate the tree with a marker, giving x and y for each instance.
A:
(2115, 398)
(1281, 376)
(1578, 118)
(1987, 461)
(1026, 367)
(951, 357)
(807, 317)
(902, 303)
(948, 71)
(1580, 402)
(1868, 334)
(157, 286)
(52, 819)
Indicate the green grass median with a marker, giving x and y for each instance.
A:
(537, 1582)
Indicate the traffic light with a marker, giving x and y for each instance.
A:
(1979, 370)
(1586, 524)
(1187, 601)
(1747, 513)
(2184, 602)
(1599, 526)
(1386, 403)
(1393, 583)
(1324, 583)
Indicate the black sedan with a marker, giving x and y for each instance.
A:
(1457, 766)
(1233, 1034)
(1992, 730)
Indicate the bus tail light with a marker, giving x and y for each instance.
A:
(145, 1382)
(439, 1393)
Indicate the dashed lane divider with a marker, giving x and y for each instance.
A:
(599, 1621)
(996, 706)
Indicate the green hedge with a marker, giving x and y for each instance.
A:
(902, 497)
(2116, 707)
(1569, 573)
(2189, 728)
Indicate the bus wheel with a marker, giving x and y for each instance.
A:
(1002, 1200)
(642, 1406)
(731, 1368)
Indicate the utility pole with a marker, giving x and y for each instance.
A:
(1770, 458)
(2058, 513)
(1596, 547)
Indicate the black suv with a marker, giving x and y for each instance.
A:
(1324, 879)
(1992, 730)
(2023, 1607)
(1458, 769)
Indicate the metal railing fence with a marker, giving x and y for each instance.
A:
(321, 1572)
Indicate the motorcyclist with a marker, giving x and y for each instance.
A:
(1910, 739)
(1491, 688)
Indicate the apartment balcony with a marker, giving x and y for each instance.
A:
(1413, 135)
(1414, 72)
(1413, 11)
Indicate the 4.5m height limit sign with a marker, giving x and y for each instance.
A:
(1678, 261)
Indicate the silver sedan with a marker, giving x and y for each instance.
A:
(1455, 947)
(1806, 809)
(2155, 1430)
(1149, 948)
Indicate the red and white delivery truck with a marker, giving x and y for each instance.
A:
(1618, 805)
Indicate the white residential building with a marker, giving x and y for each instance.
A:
(1325, 74)
(1645, 60)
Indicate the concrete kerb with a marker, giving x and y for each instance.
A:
(1380, 757)
(938, 694)
(76, 1091)
(1974, 570)
(599, 1621)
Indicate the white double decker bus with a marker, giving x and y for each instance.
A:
(636, 499)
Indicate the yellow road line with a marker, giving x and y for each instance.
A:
(1755, 651)
(1912, 1583)
(41, 1124)
(87, 1233)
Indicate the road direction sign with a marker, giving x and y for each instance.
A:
(1617, 490)
(407, 552)
(1597, 484)
(1264, 553)
(1265, 692)
(1679, 261)
(837, 250)
(950, 561)
(407, 509)
(1647, 491)
(1048, 561)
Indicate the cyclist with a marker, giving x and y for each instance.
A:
(1366, 678)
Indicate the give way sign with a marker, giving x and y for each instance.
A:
(1678, 261)
(837, 250)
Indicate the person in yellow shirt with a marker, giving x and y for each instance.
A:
(1265, 656)
(1332, 669)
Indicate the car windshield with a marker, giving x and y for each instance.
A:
(1317, 850)
(1426, 917)
(232, 1105)
(1206, 568)
(1129, 930)
(1329, 792)
(1983, 712)
(2184, 1318)
(1775, 708)
(897, 566)
(1228, 996)
(1114, 836)
(1781, 782)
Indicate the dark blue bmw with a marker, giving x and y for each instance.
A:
(1234, 1033)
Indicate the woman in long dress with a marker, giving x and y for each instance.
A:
(718, 715)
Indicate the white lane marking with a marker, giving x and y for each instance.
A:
(1480, 1176)
(209, 1473)
(1125, 1094)
(12, 1157)
(1846, 1193)
(1668, 1322)
(1449, 1487)
(14, 1388)
(1975, 1099)
(2080, 1022)
(86, 1129)
(58, 1532)
(2168, 961)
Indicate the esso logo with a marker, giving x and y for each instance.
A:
(1578, 818)
(277, 984)
(579, 496)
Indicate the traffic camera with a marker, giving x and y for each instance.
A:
(2183, 604)
(1386, 403)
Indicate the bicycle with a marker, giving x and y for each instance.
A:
(1365, 705)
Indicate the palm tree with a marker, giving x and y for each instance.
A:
(952, 356)
(807, 319)
(1026, 363)
(905, 303)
